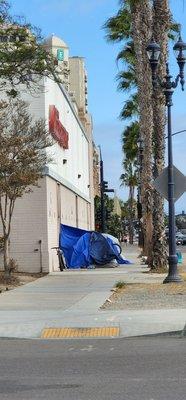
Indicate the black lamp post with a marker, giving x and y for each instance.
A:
(168, 86)
(140, 145)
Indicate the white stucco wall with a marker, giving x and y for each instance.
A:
(77, 154)
(29, 226)
(61, 198)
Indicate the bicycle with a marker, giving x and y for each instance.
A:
(62, 263)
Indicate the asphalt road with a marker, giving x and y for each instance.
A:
(112, 369)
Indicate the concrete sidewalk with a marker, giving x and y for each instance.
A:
(73, 298)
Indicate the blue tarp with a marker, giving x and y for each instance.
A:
(82, 248)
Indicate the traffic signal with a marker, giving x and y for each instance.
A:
(98, 215)
(108, 214)
(105, 186)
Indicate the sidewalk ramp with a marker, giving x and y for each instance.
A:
(75, 333)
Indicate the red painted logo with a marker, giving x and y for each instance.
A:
(56, 128)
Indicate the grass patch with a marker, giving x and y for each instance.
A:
(183, 275)
(120, 284)
(17, 279)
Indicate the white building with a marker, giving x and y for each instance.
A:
(65, 194)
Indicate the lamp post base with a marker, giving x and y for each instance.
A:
(173, 279)
(173, 275)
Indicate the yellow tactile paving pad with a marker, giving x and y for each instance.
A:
(66, 333)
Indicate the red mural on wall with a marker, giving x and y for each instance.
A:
(56, 128)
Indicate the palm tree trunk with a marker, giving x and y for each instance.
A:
(131, 206)
(161, 25)
(141, 32)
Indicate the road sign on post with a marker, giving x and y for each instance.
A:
(161, 183)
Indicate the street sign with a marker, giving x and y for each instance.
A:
(161, 183)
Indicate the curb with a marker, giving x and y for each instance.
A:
(183, 334)
(174, 334)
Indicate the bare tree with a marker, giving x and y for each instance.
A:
(22, 159)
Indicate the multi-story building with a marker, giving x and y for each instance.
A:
(60, 51)
(78, 86)
(117, 206)
(66, 192)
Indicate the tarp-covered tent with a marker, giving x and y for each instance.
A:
(83, 248)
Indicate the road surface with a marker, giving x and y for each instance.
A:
(112, 369)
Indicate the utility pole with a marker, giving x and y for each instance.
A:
(102, 195)
(104, 189)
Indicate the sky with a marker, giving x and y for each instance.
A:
(80, 24)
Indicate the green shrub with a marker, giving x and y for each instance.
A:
(120, 284)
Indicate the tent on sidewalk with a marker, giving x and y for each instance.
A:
(83, 248)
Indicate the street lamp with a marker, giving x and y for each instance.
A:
(140, 145)
(168, 85)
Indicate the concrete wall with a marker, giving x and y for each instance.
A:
(29, 226)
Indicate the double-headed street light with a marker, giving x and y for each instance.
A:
(140, 145)
(168, 85)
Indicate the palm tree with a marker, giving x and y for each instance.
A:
(130, 109)
(129, 179)
(141, 20)
(130, 137)
(141, 23)
(161, 28)
(118, 27)
(134, 21)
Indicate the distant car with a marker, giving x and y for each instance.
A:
(179, 235)
(181, 240)
(178, 241)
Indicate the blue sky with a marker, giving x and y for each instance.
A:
(79, 23)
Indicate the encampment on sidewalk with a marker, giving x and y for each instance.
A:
(86, 249)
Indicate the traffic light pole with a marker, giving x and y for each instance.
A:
(102, 197)
(103, 190)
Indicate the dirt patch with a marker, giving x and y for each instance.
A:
(147, 296)
(17, 279)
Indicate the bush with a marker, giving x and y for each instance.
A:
(13, 265)
(120, 284)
